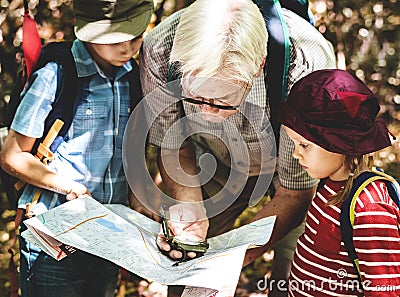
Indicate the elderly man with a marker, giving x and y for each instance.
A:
(220, 108)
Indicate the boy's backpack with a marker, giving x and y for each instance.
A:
(347, 214)
(69, 87)
(63, 106)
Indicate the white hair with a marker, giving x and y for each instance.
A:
(227, 38)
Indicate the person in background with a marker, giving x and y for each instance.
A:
(331, 118)
(89, 160)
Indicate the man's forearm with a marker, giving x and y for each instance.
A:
(178, 170)
(290, 207)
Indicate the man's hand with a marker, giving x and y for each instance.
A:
(187, 222)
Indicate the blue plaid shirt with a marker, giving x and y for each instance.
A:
(92, 152)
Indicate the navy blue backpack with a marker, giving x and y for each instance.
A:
(69, 90)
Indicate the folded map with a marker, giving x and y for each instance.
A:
(127, 238)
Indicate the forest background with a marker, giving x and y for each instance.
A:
(366, 39)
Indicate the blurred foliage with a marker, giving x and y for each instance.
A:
(365, 36)
(7, 232)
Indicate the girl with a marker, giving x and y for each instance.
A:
(331, 118)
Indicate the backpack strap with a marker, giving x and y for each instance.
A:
(347, 214)
(321, 183)
(278, 58)
(392, 185)
(278, 49)
(300, 7)
(69, 87)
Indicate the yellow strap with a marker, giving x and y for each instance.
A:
(36, 196)
(379, 176)
(44, 154)
(358, 268)
(360, 189)
(389, 178)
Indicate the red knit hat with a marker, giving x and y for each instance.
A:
(336, 111)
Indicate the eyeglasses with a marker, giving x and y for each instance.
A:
(211, 102)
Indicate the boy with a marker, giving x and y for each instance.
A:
(89, 160)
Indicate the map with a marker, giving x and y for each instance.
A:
(127, 238)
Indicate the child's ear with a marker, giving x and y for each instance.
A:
(261, 67)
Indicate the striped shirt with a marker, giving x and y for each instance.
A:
(321, 266)
(309, 51)
(92, 153)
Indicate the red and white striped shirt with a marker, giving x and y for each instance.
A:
(321, 266)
